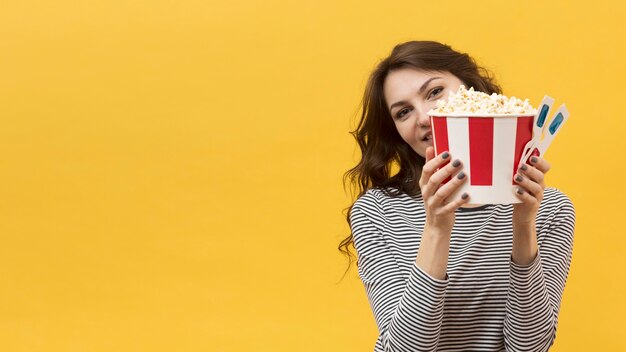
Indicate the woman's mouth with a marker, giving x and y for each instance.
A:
(428, 137)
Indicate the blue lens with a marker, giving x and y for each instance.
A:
(542, 115)
(554, 125)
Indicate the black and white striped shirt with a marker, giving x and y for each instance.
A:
(487, 302)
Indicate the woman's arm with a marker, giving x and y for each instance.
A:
(538, 271)
(531, 181)
(409, 311)
(434, 249)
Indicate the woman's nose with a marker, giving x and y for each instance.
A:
(423, 120)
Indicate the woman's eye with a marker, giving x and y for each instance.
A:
(435, 92)
(402, 112)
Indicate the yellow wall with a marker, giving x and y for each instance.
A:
(171, 170)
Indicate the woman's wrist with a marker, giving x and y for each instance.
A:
(432, 256)
(525, 246)
(524, 227)
(436, 231)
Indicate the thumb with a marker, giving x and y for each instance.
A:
(430, 154)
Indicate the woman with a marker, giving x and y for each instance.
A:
(439, 275)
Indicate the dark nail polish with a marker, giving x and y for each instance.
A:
(519, 178)
(461, 175)
(445, 155)
(520, 191)
(456, 163)
(464, 196)
(533, 159)
(524, 167)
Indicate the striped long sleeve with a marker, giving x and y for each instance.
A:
(535, 290)
(486, 302)
(408, 310)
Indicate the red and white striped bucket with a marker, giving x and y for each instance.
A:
(490, 148)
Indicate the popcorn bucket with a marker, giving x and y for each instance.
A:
(490, 148)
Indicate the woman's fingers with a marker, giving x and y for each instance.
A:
(432, 164)
(532, 180)
(436, 170)
(436, 179)
(539, 163)
(442, 194)
(454, 205)
(431, 167)
(527, 198)
(531, 172)
(530, 186)
(442, 174)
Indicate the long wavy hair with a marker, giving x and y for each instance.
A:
(387, 161)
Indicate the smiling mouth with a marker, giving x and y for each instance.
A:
(428, 137)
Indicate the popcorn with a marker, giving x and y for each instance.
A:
(470, 102)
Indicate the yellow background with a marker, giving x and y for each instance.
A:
(171, 170)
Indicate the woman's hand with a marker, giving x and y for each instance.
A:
(530, 179)
(439, 210)
(434, 248)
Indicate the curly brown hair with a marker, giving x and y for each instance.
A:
(382, 148)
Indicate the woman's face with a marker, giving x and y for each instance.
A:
(409, 94)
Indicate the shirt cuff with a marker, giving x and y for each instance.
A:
(523, 275)
(425, 279)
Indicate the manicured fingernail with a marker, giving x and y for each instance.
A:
(445, 155)
(533, 159)
(461, 175)
(464, 196)
(524, 167)
(519, 178)
(520, 191)
(456, 163)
